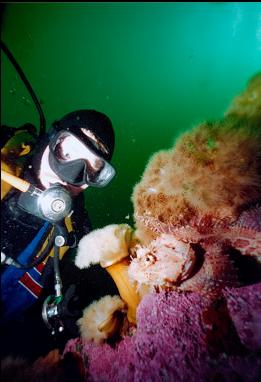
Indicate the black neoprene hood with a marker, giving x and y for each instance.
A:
(98, 123)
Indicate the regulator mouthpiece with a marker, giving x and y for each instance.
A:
(55, 203)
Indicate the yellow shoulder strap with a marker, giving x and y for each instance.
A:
(63, 250)
(12, 150)
(6, 187)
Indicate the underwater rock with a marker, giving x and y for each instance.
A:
(197, 215)
(104, 363)
(180, 336)
(244, 305)
(52, 368)
(245, 233)
(216, 271)
(250, 219)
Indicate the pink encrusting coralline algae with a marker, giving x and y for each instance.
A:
(244, 306)
(184, 336)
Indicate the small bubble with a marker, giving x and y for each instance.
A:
(25, 100)
(12, 91)
(127, 217)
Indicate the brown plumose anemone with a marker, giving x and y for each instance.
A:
(204, 181)
(248, 103)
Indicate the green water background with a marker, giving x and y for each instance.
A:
(156, 69)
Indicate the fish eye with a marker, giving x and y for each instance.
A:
(150, 259)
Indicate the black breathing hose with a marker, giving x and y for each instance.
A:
(38, 259)
(28, 86)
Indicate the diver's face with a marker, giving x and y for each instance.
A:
(48, 177)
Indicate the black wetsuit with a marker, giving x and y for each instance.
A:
(24, 332)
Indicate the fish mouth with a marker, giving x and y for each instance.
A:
(200, 258)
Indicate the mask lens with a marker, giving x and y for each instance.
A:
(102, 177)
(68, 148)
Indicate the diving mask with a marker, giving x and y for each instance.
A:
(78, 161)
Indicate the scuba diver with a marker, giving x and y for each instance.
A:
(43, 214)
